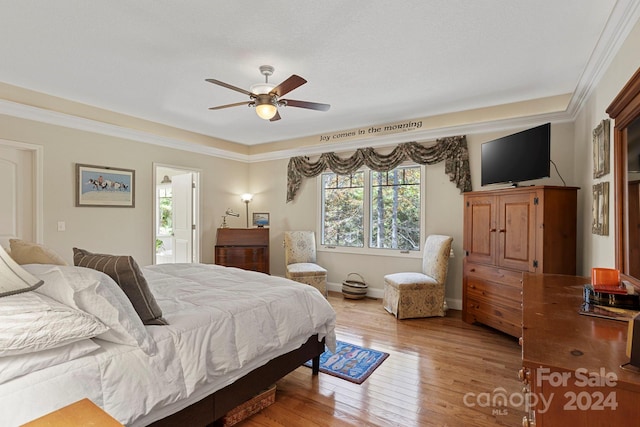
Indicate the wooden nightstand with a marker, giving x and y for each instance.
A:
(79, 414)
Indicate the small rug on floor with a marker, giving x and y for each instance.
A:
(350, 362)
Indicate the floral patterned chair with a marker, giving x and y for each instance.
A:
(300, 257)
(410, 295)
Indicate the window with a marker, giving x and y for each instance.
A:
(343, 209)
(395, 209)
(388, 212)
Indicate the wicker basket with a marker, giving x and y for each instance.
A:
(250, 407)
(354, 289)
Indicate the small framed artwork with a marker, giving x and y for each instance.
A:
(600, 209)
(260, 219)
(601, 149)
(105, 186)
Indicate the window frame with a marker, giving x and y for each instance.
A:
(367, 249)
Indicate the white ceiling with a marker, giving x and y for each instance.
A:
(374, 61)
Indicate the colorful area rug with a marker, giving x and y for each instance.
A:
(350, 362)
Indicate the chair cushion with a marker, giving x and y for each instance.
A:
(408, 279)
(301, 269)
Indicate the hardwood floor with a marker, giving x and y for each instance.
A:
(440, 372)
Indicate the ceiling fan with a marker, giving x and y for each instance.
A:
(266, 97)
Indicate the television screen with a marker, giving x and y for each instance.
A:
(520, 157)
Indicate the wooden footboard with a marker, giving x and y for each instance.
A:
(216, 405)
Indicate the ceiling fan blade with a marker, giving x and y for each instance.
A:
(228, 86)
(306, 104)
(220, 107)
(288, 85)
(276, 117)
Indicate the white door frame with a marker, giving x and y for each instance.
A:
(38, 182)
(196, 208)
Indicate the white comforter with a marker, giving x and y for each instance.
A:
(223, 323)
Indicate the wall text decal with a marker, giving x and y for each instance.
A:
(373, 130)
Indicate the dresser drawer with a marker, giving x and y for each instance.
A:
(491, 313)
(506, 294)
(494, 274)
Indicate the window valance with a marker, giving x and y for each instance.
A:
(453, 150)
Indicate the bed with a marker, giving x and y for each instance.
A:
(229, 334)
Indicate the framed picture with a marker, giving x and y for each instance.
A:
(601, 149)
(260, 219)
(105, 186)
(600, 209)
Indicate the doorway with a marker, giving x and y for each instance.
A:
(21, 186)
(176, 221)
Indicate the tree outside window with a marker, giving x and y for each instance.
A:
(395, 209)
(392, 215)
(343, 209)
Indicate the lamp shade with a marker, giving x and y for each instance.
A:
(246, 197)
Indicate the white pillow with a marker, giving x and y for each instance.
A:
(21, 364)
(95, 293)
(31, 322)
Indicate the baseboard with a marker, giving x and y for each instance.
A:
(454, 304)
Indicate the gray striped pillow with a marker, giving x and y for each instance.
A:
(125, 272)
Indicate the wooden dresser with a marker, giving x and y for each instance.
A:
(246, 248)
(573, 361)
(509, 231)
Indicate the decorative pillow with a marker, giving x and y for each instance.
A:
(32, 253)
(13, 278)
(21, 364)
(32, 322)
(126, 273)
(97, 294)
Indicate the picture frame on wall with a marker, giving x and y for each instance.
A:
(260, 219)
(601, 149)
(600, 209)
(104, 186)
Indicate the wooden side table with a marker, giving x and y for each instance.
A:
(83, 413)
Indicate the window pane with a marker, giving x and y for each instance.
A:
(395, 209)
(343, 209)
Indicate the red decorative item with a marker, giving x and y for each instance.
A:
(607, 280)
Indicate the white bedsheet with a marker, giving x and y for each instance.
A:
(216, 334)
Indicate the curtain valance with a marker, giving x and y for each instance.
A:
(453, 150)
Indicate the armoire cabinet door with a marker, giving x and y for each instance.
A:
(516, 231)
(480, 229)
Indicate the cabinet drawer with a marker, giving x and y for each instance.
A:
(504, 318)
(494, 274)
(508, 295)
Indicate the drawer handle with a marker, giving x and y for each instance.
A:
(492, 230)
(502, 230)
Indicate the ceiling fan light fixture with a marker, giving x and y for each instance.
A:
(266, 107)
(266, 111)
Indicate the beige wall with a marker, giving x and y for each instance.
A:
(119, 230)
(598, 251)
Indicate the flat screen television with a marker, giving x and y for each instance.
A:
(520, 157)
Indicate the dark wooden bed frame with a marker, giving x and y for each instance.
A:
(216, 405)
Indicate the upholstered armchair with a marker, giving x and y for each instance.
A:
(300, 257)
(410, 295)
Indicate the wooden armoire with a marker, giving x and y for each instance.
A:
(509, 231)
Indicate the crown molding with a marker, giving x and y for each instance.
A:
(43, 115)
(624, 16)
(418, 136)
